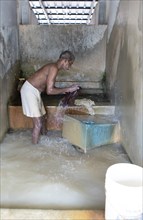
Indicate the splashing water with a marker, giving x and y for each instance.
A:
(60, 115)
(67, 100)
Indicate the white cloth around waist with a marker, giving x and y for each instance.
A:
(32, 103)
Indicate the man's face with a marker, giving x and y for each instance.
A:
(67, 64)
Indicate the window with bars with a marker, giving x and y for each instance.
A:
(63, 12)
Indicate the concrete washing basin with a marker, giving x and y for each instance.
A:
(87, 132)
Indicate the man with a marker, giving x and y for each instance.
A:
(44, 80)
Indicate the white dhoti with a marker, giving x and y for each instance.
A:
(32, 103)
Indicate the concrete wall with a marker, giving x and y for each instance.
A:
(124, 71)
(8, 57)
(25, 14)
(102, 11)
(42, 44)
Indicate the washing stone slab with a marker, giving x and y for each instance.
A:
(87, 132)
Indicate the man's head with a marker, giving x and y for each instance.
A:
(66, 58)
(68, 55)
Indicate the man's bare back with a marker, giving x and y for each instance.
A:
(41, 77)
(44, 79)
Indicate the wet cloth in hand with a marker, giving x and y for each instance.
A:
(69, 98)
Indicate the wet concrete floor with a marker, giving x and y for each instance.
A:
(53, 174)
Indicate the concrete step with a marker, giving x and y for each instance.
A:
(87, 132)
(42, 214)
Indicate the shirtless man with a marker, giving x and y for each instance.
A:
(44, 80)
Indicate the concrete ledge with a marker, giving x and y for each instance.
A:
(34, 214)
(85, 84)
(54, 115)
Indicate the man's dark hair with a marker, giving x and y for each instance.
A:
(67, 55)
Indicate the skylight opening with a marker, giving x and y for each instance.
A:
(63, 12)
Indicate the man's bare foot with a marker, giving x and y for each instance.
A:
(44, 132)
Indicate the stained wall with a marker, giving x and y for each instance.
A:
(9, 57)
(42, 44)
(124, 68)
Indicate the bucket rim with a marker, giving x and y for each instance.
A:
(115, 181)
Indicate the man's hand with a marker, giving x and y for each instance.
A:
(73, 88)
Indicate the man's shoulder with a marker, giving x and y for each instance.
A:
(50, 68)
(53, 67)
(50, 65)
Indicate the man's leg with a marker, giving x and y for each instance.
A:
(37, 125)
(44, 125)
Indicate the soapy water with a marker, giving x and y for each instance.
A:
(52, 174)
(87, 103)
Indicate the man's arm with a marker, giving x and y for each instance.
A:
(51, 89)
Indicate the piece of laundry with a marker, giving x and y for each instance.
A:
(69, 98)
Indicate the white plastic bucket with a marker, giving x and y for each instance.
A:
(124, 192)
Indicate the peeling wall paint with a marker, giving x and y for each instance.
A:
(124, 74)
